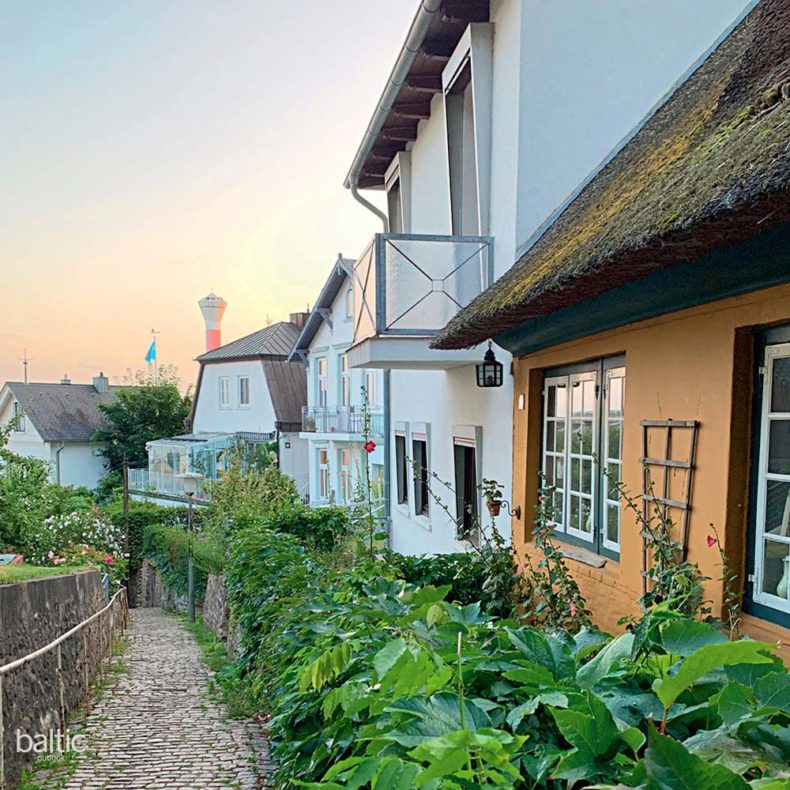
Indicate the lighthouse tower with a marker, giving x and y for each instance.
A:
(213, 308)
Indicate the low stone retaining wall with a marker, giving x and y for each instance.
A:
(33, 614)
(215, 606)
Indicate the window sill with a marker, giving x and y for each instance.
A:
(423, 521)
(583, 556)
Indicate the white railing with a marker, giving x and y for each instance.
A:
(145, 481)
(407, 284)
(107, 618)
(341, 419)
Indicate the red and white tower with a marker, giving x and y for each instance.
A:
(213, 308)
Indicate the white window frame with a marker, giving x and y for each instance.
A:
(349, 304)
(372, 388)
(606, 502)
(420, 432)
(223, 383)
(345, 380)
(475, 51)
(772, 353)
(242, 403)
(600, 372)
(401, 429)
(321, 382)
(323, 479)
(345, 475)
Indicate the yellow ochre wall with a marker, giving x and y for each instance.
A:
(694, 364)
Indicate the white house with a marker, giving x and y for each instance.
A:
(56, 423)
(343, 405)
(494, 115)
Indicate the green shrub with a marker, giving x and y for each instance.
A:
(168, 549)
(320, 528)
(143, 515)
(372, 682)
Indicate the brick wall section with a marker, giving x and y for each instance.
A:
(33, 614)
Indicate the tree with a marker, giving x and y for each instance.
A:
(141, 412)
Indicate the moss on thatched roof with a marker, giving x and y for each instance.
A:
(710, 168)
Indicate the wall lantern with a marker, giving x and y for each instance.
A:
(489, 371)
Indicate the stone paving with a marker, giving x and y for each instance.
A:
(160, 728)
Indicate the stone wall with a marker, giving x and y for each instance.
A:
(215, 606)
(33, 614)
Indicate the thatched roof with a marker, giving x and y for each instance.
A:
(711, 168)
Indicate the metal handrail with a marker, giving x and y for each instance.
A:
(56, 643)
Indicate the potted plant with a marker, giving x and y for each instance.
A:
(493, 496)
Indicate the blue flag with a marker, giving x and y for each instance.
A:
(151, 355)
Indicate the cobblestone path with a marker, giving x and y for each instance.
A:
(160, 728)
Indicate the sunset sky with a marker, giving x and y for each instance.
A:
(152, 151)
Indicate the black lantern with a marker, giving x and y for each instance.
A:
(489, 371)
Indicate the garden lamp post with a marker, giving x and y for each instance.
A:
(191, 481)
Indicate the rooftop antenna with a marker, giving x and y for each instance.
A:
(25, 360)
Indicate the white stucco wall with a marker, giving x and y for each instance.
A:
(589, 74)
(332, 342)
(570, 79)
(80, 465)
(258, 417)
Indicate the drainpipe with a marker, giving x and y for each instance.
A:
(57, 462)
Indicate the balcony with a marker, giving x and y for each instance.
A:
(342, 420)
(406, 288)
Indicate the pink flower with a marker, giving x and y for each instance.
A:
(369, 446)
(108, 560)
(51, 554)
(711, 541)
(541, 499)
(572, 607)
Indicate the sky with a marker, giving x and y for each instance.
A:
(152, 151)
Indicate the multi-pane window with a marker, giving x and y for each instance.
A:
(323, 473)
(771, 550)
(346, 491)
(19, 418)
(345, 381)
(224, 392)
(321, 383)
(244, 390)
(421, 483)
(401, 468)
(582, 450)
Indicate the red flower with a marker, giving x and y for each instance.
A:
(711, 541)
(108, 560)
(370, 446)
(572, 607)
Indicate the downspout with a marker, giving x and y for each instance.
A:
(57, 462)
(414, 41)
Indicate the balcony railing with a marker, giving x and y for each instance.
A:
(145, 481)
(341, 419)
(407, 284)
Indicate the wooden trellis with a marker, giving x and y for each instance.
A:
(670, 466)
